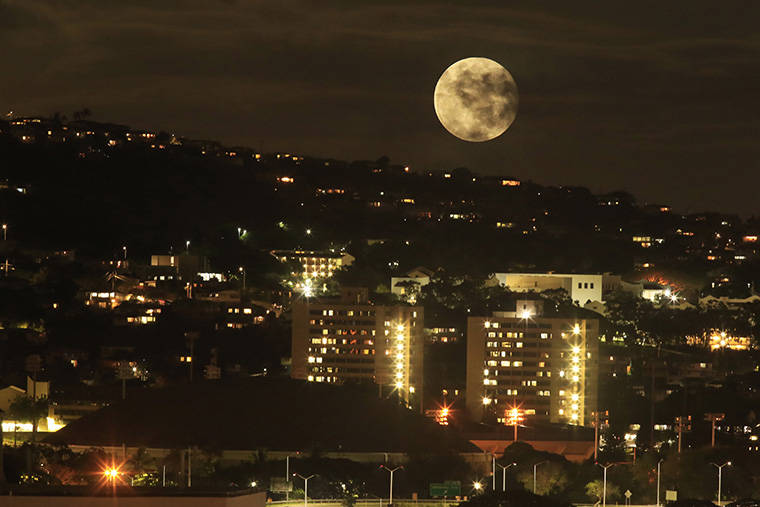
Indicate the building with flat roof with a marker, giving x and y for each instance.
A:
(581, 288)
(546, 366)
(349, 339)
(315, 264)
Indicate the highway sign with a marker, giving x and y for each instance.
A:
(448, 489)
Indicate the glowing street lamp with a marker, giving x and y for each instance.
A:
(513, 417)
(308, 290)
(477, 486)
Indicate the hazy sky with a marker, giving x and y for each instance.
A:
(658, 98)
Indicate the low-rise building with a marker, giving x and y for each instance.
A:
(581, 288)
(408, 287)
(315, 264)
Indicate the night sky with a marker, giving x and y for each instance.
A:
(658, 98)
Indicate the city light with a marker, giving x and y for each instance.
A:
(477, 486)
(400, 371)
(112, 473)
(308, 290)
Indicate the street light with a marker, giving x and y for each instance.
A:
(534, 474)
(720, 475)
(305, 487)
(390, 493)
(604, 484)
(503, 476)
(658, 481)
(477, 486)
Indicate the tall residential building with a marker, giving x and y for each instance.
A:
(349, 339)
(547, 366)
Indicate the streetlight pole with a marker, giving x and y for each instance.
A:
(493, 472)
(390, 493)
(658, 482)
(720, 476)
(504, 475)
(287, 478)
(604, 484)
(5, 238)
(534, 475)
(305, 488)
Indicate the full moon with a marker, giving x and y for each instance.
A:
(476, 99)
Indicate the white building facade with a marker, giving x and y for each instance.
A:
(581, 288)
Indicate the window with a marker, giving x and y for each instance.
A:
(592, 285)
(580, 285)
(585, 285)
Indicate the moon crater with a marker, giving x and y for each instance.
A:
(476, 99)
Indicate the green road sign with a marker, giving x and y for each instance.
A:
(447, 489)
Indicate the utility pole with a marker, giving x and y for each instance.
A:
(683, 423)
(713, 418)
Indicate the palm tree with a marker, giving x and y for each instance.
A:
(141, 462)
(27, 409)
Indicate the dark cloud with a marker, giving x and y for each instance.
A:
(660, 98)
